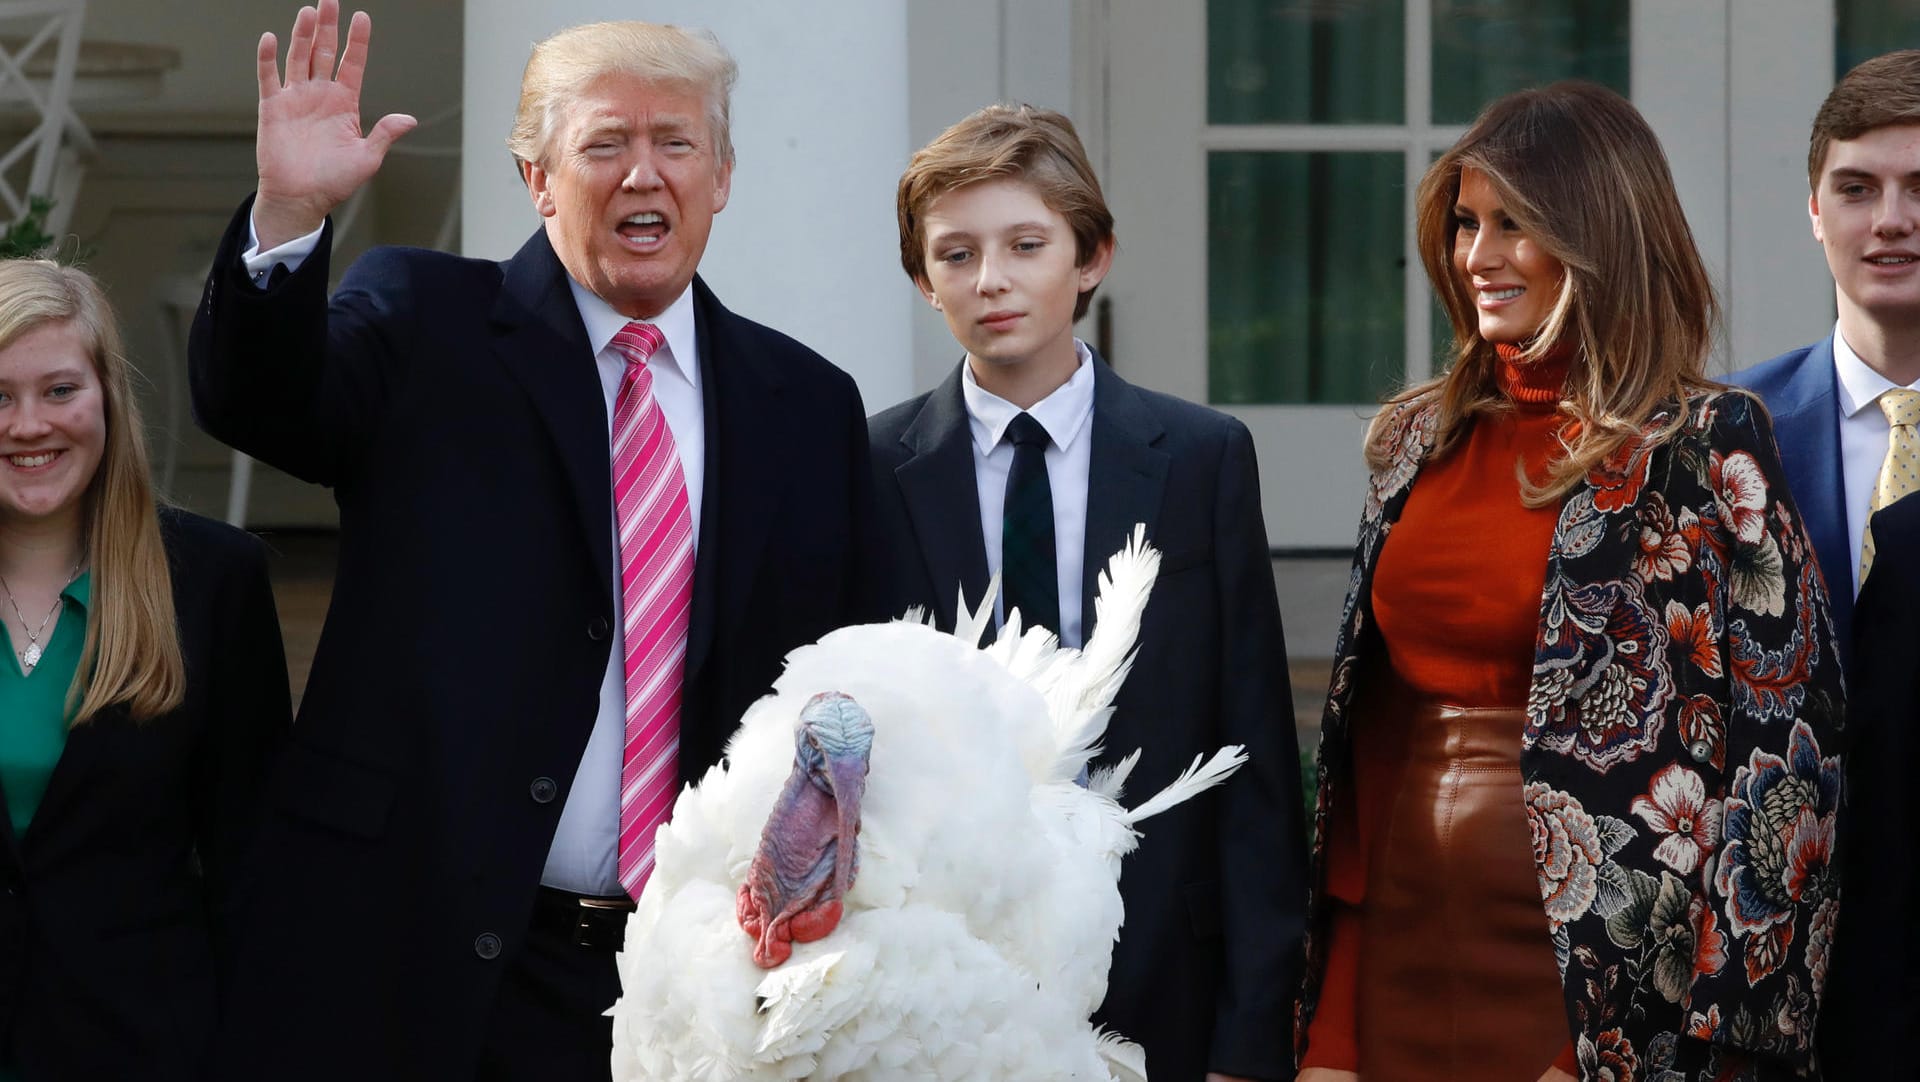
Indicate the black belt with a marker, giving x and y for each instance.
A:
(596, 923)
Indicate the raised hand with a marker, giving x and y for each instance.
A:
(310, 151)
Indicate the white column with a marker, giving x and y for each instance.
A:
(807, 243)
(1679, 80)
(1780, 295)
(1731, 86)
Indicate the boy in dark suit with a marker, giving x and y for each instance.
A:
(1034, 460)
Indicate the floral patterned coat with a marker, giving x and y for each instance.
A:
(1680, 756)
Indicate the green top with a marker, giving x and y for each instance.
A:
(33, 707)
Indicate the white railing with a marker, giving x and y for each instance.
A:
(39, 52)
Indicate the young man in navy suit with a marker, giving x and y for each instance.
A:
(1832, 401)
(1845, 411)
(585, 512)
(1034, 460)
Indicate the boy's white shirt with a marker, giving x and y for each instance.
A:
(1065, 415)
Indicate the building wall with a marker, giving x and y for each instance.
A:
(414, 65)
(962, 55)
(1732, 89)
(173, 163)
(832, 101)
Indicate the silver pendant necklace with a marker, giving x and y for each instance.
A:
(32, 654)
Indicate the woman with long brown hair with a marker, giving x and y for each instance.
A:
(143, 691)
(1579, 768)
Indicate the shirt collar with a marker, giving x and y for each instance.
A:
(676, 324)
(80, 590)
(1860, 385)
(1063, 413)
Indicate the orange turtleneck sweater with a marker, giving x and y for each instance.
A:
(1456, 596)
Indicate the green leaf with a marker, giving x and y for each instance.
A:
(25, 236)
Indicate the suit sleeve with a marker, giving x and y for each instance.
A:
(868, 583)
(249, 714)
(1262, 833)
(275, 374)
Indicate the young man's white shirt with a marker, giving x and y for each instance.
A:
(1864, 435)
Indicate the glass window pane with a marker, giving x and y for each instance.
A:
(1304, 280)
(1485, 48)
(1863, 29)
(1306, 62)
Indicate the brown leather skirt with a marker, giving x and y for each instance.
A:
(1456, 972)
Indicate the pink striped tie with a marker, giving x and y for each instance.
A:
(656, 588)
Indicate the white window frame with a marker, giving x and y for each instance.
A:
(1417, 141)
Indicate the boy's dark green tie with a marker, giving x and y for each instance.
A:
(1027, 568)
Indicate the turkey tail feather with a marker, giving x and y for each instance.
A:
(1204, 774)
(1125, 1060)
(1125, 586)
(1111, 781)
(969, 623)
(1081, 701)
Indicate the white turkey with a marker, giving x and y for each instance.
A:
(902, 871)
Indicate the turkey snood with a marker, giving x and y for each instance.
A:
(809, 849)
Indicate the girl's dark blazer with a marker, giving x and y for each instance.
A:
(117, 897)
(1681, 750)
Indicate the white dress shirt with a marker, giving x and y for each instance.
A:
(292, 253)
(1064, 414)
(584, 855)
(1864, 435)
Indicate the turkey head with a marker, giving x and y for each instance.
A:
(809, 849)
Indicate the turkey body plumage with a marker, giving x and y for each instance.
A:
(977, 933)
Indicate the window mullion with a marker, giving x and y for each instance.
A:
(1335, 138)
(1419, 122)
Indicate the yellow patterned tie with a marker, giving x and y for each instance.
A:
(1900, 473)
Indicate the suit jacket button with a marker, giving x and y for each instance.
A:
(543, 790)
(487, 946)
(597, 628)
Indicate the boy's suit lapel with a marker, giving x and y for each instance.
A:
(938, 486)
(1125, 478)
